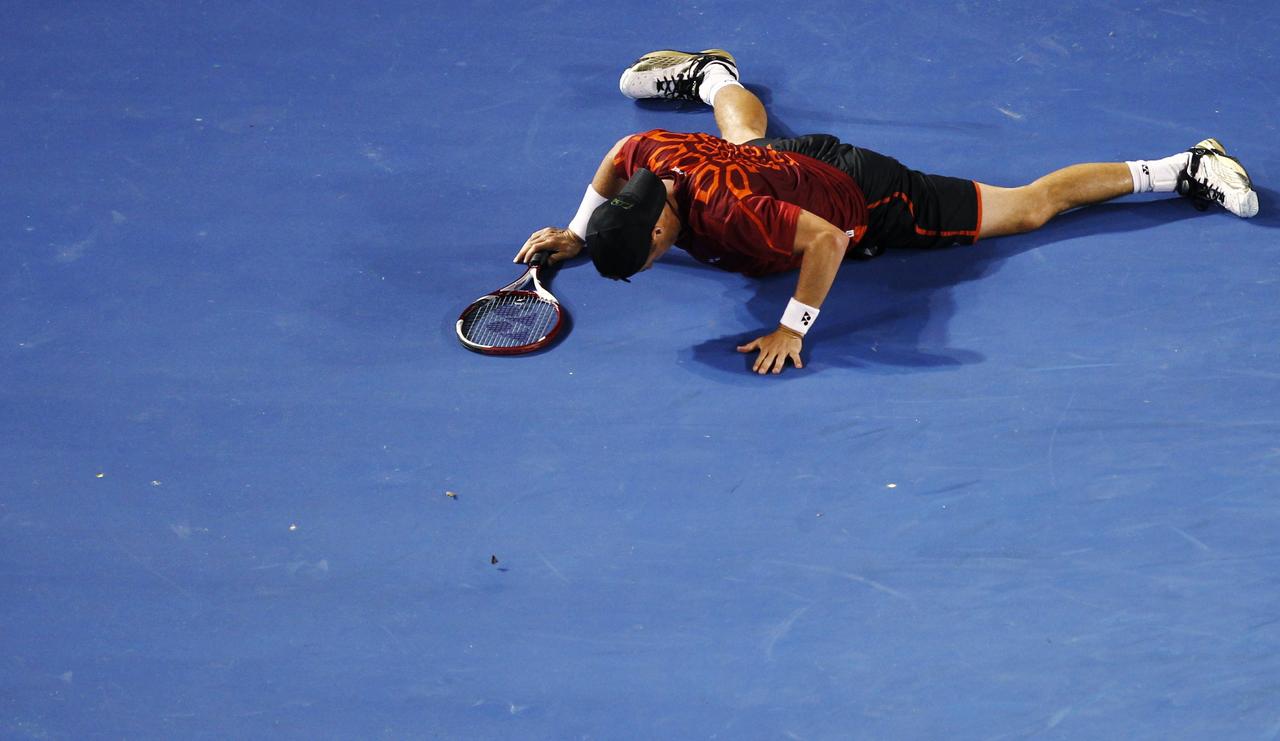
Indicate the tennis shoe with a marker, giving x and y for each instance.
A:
(671, 74)
(1213, 176)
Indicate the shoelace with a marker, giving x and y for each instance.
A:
(678, 86)
(1197, 189)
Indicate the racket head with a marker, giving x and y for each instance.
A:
(510, 322)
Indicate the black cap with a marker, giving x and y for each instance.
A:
(620, 232)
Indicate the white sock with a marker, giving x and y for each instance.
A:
(714, 79)
(1158, 176)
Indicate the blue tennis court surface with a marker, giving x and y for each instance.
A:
(252, 486)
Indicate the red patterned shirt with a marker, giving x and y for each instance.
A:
(739, 203)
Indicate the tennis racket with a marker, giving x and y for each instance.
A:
(513, 319)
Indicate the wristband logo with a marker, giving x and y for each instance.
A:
(806, 319)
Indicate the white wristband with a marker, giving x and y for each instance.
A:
(798, 317)
(591, 200)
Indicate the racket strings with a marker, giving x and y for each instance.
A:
(510, 320)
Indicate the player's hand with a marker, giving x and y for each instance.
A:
(561, 243)
(775, 348)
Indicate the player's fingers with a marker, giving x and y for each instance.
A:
(780, 362)
(795, 358)
(764, 362)
(749, 346)
(527, 250)
(531, 245)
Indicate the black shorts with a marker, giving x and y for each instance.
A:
(905, 208)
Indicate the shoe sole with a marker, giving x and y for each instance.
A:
(1249, 206)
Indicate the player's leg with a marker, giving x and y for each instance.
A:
(1023, 209)
(739, 114)
(1205, 173)
(711, 76)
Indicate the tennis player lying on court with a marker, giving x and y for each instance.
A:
(754, 205)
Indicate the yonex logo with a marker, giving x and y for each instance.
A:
(806, 319)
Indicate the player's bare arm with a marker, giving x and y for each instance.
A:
(822, 246)
(563, 243)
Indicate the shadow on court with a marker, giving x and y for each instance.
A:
(897, 308)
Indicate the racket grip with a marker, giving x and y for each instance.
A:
(539, 259)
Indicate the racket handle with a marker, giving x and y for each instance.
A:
(539, 259)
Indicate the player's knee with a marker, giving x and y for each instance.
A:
(1038, 208)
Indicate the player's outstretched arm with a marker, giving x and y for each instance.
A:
(565, 244)
(822, 246)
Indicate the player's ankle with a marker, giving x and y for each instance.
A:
(1158, 176)
(715, 78)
